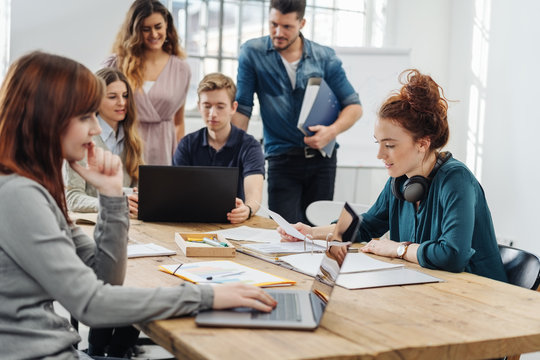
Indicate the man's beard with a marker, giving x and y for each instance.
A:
(286, 46)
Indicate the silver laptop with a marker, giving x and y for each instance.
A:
(296, 309)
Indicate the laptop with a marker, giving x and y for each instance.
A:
(296, 309)
(187, 193)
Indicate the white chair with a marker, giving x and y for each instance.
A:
(323, 212)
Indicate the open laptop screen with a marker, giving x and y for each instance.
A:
(328, 272)
(187, 193)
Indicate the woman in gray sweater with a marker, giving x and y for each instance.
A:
(47, 114)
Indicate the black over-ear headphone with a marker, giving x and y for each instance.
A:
(416, 187)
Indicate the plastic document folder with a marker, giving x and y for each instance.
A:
(223, 272)
(319, 107)
(359, 262)
(387, 277)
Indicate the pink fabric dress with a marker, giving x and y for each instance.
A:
(157, 107)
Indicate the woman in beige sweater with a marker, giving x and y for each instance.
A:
(118, 121)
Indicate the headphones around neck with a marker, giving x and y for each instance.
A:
(416, 187)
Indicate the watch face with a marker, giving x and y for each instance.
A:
(400, 250)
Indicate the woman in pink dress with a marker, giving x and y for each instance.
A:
(148, 53)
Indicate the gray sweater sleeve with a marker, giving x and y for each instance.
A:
(80, 196)
(58, 260)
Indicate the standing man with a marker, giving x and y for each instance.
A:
(277, 68)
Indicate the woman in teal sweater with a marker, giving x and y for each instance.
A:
(433, 206)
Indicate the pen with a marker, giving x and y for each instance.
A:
(214, 242)
(174, 272)
(224, 275)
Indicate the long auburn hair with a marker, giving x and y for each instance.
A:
(132, 141)
(129, 44)
(40, 95)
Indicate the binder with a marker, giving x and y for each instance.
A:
(319, 107)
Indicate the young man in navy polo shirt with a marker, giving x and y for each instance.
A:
(222, 144)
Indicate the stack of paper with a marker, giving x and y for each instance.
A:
(284, 248)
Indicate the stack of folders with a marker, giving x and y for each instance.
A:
(274, 251)
(319, 107)
(223, 272)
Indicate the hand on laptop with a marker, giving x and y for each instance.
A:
(242, 295)
(239, 214)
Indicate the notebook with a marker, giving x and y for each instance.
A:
(296, 309)
(187, 193)
(224, 272)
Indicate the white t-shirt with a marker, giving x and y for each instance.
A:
(291, 70)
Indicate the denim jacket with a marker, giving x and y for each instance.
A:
(261, 71)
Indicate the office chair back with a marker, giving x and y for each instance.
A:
(323, 212)
(522, 268)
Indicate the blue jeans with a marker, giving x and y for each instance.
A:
(295, 181)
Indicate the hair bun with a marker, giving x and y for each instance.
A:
(420, 91)
(420, 107)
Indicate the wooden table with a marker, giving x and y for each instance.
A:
(465, 317)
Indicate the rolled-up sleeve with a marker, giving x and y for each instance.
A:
(337, 80)
(245, 82)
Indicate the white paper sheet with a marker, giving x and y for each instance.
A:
(284, 224)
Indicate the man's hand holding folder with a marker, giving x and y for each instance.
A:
(320, 109)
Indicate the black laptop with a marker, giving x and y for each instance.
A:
(296, 309)
(187, 193)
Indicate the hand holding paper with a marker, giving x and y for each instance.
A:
(284, 225)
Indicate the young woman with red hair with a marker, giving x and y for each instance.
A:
(432, 205)
(47, 115)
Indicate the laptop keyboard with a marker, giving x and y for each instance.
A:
(287, 308)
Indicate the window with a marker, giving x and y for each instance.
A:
(212, 30)
(5, 16)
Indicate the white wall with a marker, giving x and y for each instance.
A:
(80, 29)
(511, 147)
(440, 35)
